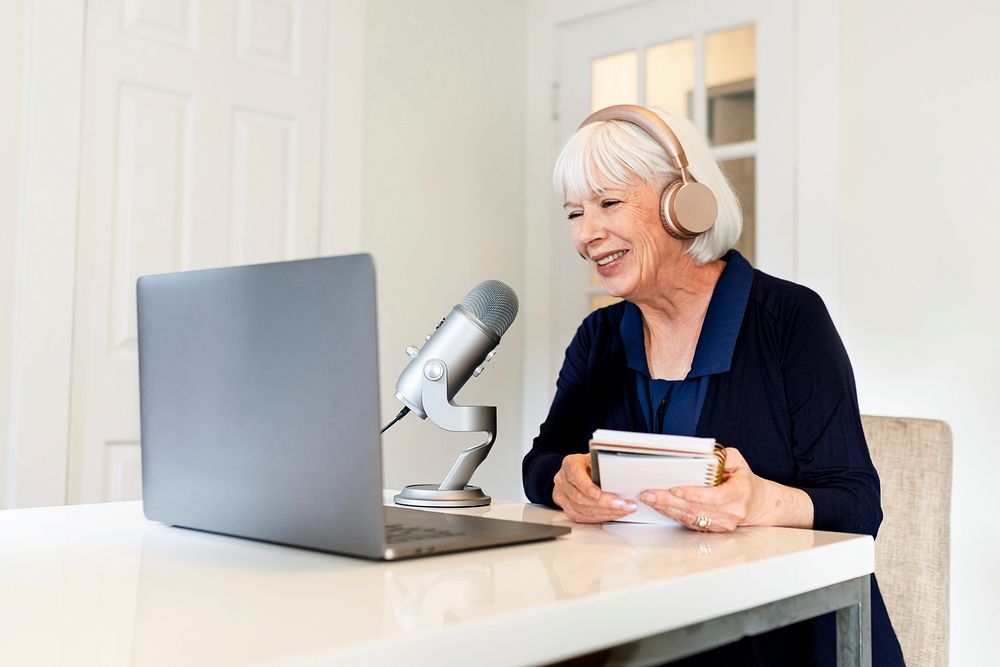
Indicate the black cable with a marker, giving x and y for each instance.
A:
(402, 413)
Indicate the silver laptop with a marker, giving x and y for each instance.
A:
(259, 401)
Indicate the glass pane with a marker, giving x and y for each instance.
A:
(742, 175)
(599, 301)
(670, 76)
(730, 74)
(614, 80)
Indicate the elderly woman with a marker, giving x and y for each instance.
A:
(704, 345)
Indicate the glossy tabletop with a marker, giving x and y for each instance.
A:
(101, 585)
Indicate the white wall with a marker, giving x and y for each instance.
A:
(920, 221)
(443, 205)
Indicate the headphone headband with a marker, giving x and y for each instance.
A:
(648, 121)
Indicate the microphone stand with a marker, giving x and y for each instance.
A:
(455, 490)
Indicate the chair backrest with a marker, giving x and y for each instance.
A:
(913, 459)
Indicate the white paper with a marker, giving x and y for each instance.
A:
(667, 443)
(628, 475)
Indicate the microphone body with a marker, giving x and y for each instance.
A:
(455, 351)
(462, 342)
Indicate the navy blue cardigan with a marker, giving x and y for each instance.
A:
(788, 403)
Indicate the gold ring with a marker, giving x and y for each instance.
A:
(703, 522)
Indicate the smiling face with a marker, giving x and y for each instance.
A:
(618, 230)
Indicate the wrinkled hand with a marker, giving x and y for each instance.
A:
(733, 503)
(581, 499)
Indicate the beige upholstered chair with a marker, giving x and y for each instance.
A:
(913, 459)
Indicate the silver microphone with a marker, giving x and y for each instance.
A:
(463, 341)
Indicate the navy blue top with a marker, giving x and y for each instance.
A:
(781, 390)
(674, 406)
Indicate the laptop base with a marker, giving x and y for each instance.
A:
(436, 532)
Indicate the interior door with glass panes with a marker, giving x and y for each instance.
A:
(727, 66)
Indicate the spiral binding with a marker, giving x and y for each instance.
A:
(714, 478)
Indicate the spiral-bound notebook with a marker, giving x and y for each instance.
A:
(627, 463)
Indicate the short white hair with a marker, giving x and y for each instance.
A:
(614, 152)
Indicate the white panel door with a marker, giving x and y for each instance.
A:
(201, 146)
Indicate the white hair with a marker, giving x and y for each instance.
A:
(618, 153)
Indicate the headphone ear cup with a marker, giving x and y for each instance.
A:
(687, 209)
(665, 205)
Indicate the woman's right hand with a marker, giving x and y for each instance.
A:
(581, 499)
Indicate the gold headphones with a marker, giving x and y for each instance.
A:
(687, 208)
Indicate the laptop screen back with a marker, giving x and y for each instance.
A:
(259, 402)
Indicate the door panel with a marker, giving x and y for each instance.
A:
(201, 147)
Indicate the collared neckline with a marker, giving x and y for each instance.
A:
(714, 353)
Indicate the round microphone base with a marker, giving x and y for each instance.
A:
(430, 495)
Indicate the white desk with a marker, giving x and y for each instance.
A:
(98, 584)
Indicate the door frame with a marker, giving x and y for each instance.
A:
(815, 100)
(35, 445)
(34, 448)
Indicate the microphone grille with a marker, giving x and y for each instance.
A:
(494, 303)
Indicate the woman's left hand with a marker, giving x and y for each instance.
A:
(719, 508)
